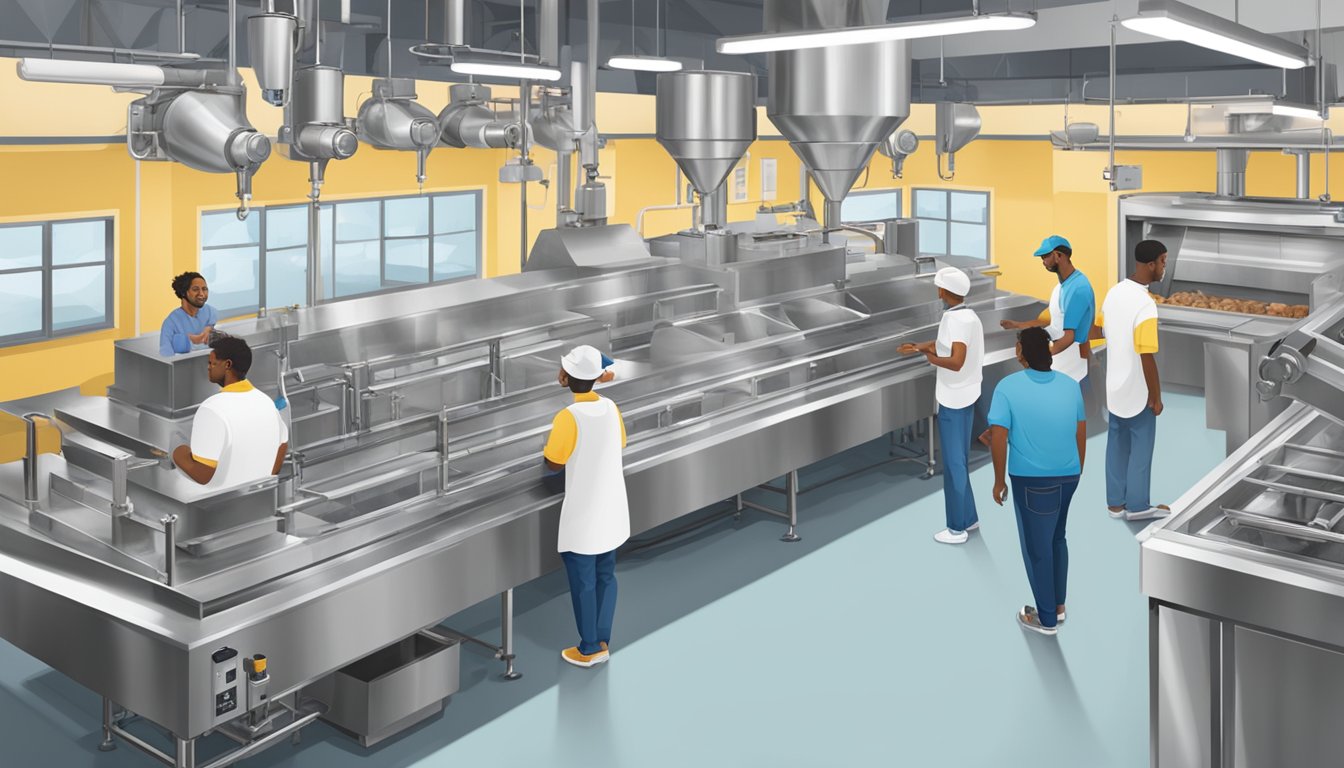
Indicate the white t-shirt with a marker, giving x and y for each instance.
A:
(1070, 362)
(1128, 307)
(238, 431)
(960, 389)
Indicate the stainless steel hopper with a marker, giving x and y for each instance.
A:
(706, 121)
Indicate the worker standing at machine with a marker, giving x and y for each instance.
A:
(1073, 306)
(237, 435)
(1133, 390)
(191, 323)
(958, 354)
(586, 441)
(1039, 415)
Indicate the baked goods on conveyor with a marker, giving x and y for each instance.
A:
(1201, 300)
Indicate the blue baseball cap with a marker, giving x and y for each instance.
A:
(1050, 244)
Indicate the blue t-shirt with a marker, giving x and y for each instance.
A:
(178, 324)
(1079, 305)
(1041, 411)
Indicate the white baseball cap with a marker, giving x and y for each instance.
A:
(954, 280)
(583, 363)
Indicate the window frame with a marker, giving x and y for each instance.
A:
(873, 192)
(48, 268)
(329, 233)
(948, 221)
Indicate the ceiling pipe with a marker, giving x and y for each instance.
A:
(548, 31)
(1232, 172)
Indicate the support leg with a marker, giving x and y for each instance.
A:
(297, 738)
(506, 636)
(108, 743)
(737, 500)
(791, 495)
(932, 467)
(186, 753)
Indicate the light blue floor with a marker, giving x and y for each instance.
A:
(865, 644)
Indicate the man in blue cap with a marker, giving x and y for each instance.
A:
(1073, 307)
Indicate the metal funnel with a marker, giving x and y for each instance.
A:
(706, 121)
(835, 105)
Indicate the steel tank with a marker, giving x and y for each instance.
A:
(208, 132)
(706, 120)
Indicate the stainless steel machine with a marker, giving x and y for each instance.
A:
(1246, 581)
(1232, 261)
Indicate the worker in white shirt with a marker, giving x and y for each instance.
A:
(958, 354)
(1128, 320)
(1070, 317)
(586, 441)
(237, 436)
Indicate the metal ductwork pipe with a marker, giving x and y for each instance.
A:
(548, 31)
(467, 122)
(1232, 172)
(455, 22)
(1303, 162)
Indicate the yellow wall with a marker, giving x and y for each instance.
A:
(1036, 191)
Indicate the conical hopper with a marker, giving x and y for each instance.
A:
(706, 121)
(835, 105)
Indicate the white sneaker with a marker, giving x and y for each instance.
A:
(973, 527)
(950, 537)
(1032, 624)
(1116, 514)
(1059, 617)
(1148, 514)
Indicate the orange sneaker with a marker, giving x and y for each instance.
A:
(573, 656)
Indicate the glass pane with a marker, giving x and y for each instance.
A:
(933, 237)
(286, 227)
(287, 277)
(930, 204)
(357, 270)
(78, 242)
(874, 206)
(20, 303)
(407, 262)
(970, 240)
(78, 297)
(232, 274)
(20, 248)
(454, 213)
(357, 221)
(455, 256)
(406, 217)
(970, 207)
(224, 228)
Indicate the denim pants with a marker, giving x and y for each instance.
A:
(592, 587)
(1042, 512)
(1129, 460)
(954, 434)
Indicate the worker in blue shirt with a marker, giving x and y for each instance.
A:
(1073, 308)
(190, 324)
(1038, 433)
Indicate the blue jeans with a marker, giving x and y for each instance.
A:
(1129, 460)
(592, 587)
(954, 434)
(1042, 512)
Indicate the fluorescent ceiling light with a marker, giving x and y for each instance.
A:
(824, 38)
(1171, 20)
(90, 73)
(644, 63)
(507, 68)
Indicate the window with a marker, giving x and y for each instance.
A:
(953, 223)
(367, 246)
(55, 278)
(871, 205)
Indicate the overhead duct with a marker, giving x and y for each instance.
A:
(956, 125)
(835, 105)
(706, 121)
(392, 119)
(467, 122)
(272, 40)
(553, 128)
(898, 146)
(454, 22)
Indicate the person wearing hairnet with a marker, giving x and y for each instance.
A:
(586, 441)
(958, 353)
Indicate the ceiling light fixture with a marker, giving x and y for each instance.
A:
(909, 30)
(1172, 20)
(639, 63)
(1287, 110)
(473, 64)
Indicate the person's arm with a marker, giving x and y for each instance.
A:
(607, 373)
(1082, 445)
(952, 362)
(172, 340)
(280, 458)
(998, 448)
(1063, 342)
(195, 468)
(1098, 326)
(1041, 321)
(1145, 343)
(560, 444)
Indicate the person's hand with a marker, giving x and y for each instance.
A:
(203, 336)
(1008, 325)
(606, 376)
(1000, 492)
(927, 348)
(983, 439)
(909, 349)
(1156, 404)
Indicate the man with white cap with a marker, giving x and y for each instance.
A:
(958, 354)
(586, 441)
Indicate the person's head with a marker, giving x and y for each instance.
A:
(230, 359)
(1150, 261)
(1054, 253)
(953, 285)
(1033, 349)
(580, 369)
(191, 288)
